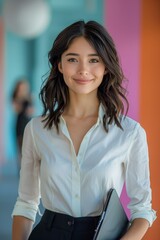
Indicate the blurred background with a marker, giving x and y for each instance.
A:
(27, 31)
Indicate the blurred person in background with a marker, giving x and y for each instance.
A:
(23, 117)
(83, 144)
(22, 102)
(20, 93)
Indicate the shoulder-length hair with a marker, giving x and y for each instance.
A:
(54, 92)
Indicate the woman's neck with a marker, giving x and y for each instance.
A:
(81, 107)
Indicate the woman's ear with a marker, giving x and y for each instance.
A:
(60, 67)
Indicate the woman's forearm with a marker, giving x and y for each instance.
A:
(137, 230)
(21, 228)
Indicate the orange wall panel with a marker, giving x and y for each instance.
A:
(150, 98)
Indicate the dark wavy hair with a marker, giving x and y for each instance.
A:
(54, 92)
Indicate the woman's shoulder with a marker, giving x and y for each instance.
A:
(132, 128)
(130, 124)
(36, 122)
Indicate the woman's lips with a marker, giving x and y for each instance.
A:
(83, 81)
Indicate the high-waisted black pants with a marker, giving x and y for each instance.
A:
(57, 226)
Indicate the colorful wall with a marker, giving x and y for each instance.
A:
(135, 27)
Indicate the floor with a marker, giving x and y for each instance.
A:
(8, 193)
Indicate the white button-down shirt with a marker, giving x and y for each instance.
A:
(77, 185)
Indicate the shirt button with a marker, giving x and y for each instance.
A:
(70, 223)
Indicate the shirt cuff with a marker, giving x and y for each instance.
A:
(150, 216)
(26, 210)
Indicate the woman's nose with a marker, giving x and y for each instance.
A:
(83, 70)
(83, 73)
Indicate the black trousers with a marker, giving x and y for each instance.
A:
(57, 226)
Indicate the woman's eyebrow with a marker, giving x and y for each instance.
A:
(76, 54)
(72, 54)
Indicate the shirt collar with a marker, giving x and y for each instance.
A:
(101, 113)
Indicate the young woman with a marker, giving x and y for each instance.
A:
(82, 145)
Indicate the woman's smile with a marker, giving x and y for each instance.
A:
(82, 81)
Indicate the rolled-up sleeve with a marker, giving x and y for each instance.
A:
(29, 185)
(138, 177)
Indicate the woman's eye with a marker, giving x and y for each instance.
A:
(72, 60)
(94, 60)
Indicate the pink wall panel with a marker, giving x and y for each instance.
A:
(122, 19)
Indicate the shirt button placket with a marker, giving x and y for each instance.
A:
(76, 188)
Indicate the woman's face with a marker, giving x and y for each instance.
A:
(23, 90)
(82, 67)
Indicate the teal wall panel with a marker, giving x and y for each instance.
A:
(18, 60)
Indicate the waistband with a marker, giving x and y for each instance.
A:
(65, 221)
